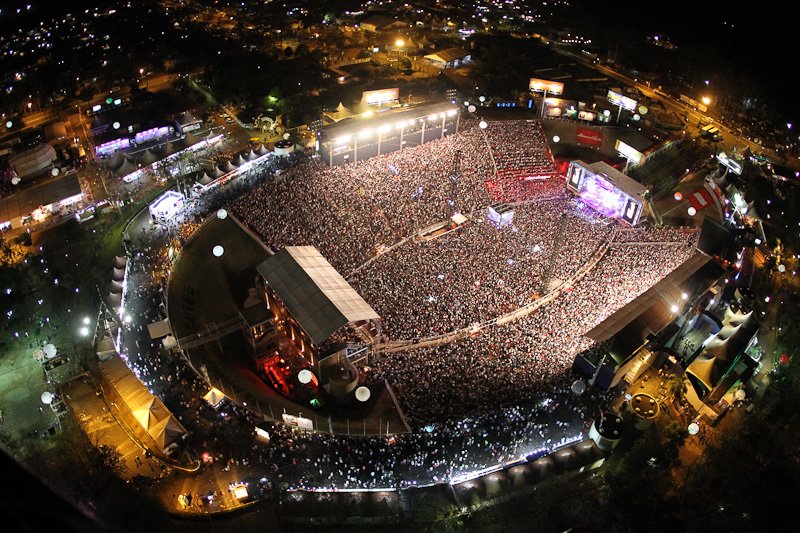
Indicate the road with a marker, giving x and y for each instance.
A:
(729, 137)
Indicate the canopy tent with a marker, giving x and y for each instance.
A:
(159, 329)
(117, 274)
(120, 261)
(314, 293)
(126, 168)
(228, 167)
(149, 412)
(214, 397)
(115, 161)
(205, 179)
(727, 331)
(340, 113)
(216, 173)
(115, 287)
(251, 155)
(262, 150)
(148, 157)
(114, 299)
(169, 342)
(239, 161)
(702, 368)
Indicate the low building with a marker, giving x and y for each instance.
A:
(449, 58)
(40, 201)
(376, 23)
(33, 162)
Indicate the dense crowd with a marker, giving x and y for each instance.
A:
(507, 364)
(494, 396)
(478, 272)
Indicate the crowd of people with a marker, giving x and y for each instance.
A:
(503, 365)
(491, 397)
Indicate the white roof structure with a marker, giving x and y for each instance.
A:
(621, 181)
(32, 161)
(148, 410)
(315, 294)
(159, 329)
(214, 396)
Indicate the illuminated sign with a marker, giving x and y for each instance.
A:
(298, 422)
(553, 87)
(732, 165)
(590, 137)
(586, 115)
(629, 152)
(380, 96)
(621, 101)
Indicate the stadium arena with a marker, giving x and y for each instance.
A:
(479, 311)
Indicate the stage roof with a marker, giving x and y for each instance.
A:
(659, 297)
(314, 293)
(623, 182)
(352, 126)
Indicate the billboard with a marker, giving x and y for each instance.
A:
(629, 152)
(621, 100)
(552, 87)
(590, 137)
(380, 96)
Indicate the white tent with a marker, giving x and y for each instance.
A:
(149, 412)
(262, 150)
(239, 161)
(214, 397)
(120, 261)
(118, 274)
(205, 179)
(159, 329)
(251, 155)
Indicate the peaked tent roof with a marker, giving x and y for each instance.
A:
(316, 295)
(153, 415)
(448, 55)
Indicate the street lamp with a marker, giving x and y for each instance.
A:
(706, 100)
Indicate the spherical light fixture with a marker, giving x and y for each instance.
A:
(222, 214)
(363, 394)
(556, 138)
(218, 251)
(692, 211)
(305, 376)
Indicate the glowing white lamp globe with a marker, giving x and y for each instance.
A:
(49, 351)
(692, 211)
(362, 394)
(694, 428)
(483, 124)
(47, 398)
(678, 196)
(15, 180)
(9, 124)
(781, 268)
(471, 109)
(218, 251)
(607, 113)
(636, 116)
(556, 138)
(116, 125)
(222, 214)
(304, 376)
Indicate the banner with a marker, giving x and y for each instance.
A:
(537, 85)
(590, 137)
(380, 96)
(298, 422)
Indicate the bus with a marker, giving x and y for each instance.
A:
(711, 132)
